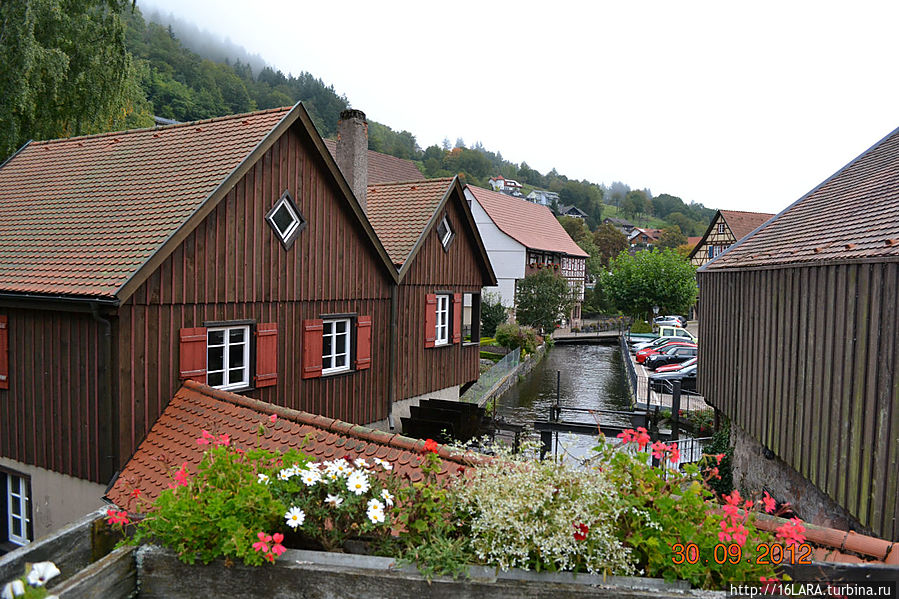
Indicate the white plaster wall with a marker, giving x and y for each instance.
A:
(56, 499)
(507, 256)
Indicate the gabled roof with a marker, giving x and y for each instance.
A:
(94, 216)
(565, 210)
(743, 223)
(531, 225)
(195, 407)
(383, 168)
(693, 241)
(852, 216)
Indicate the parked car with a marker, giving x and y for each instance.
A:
(658, 341)
(661, 382)
(674, 321)
(670, 355)
(676, 367)
(668, 331)
(659, 349)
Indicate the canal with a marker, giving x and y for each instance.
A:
(592, 377)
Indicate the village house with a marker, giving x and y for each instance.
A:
(622, 225)
(727, 228)
(521, 238)
(232, 252)
(571, 211)
(507, 186)
(543, 197)
(644, 238)
(799, 348)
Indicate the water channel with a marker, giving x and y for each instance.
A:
(592, 377)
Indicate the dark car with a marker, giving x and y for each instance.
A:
(670, 355)
(661, 382)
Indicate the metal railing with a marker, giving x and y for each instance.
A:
(628, 366)
(484, 386)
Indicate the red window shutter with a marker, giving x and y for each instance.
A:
(193, 354)
(266, 354)
(430, 319)
(363, 342)
(4, 352)
(457, 317)
(312, 348)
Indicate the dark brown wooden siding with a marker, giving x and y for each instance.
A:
(233, 267)
(433, 270)
(805, 360)
(53, 414)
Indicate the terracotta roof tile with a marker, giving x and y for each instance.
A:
(743, 223)
(531, 225)
(195, 407)
(79, 216)
(383, 168)
(399, 212)
(850, 216)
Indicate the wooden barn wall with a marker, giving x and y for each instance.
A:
(805, 360)
(233, 267)
(53, 415)
(421, 369)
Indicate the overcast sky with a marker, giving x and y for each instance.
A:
(738, 105)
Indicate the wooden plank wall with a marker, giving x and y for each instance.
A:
(233, 267)
(51, 416)
(422, 369)
(805, 360)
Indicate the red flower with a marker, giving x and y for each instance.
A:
(262, 543)
(674, 458)
(205, 438)
(135, 493)
(180, 477)
(793, 532)
(580, 531)
(273, 418)
(114, 517)
(658, 449)
(430, 446)
(224, 439)
(769, 503)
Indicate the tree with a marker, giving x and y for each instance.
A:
(650, 278)
(672, 237)
(609, 242)
(66, 71)
(542, 299)
(575, 227)
(493, 314)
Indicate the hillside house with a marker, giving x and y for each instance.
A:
(522, 237)
(799, 347)
(644, 238)
(727, 228)
(622, 225)
(132, 261)
(571, 211)
(543, 197)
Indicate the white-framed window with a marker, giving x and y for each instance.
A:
(286, 220)
(445, 232)
(228, 357)
(443, 316)
(16, 499)
(336, 341)
(722, 227)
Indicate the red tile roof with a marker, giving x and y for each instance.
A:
(399, 212)
(195, 407)
(383, 168)
(79, 216)
(743, 223)
(531, 225)
(693, 241)
(853, 215)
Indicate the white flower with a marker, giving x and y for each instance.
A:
(383, 463)
(361, 463)
(13, 589)
(375, 511)
(337, 468)
(41, 572)
(357, 482)
(334, 500)
(285, 473)
(374, 505)
(387, 497)
(294, 517)
(262, 478)
(310, 477)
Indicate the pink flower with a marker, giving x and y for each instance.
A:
(278, 548)
(769, 503)
(114, 517)
(658, 449)
(273, 418)
(719, 457)
(642, 438)
(262, 543)
(205, 437)
(180, 477)
(793, 532)
(224, 439)
(675, 453)
(626, 436)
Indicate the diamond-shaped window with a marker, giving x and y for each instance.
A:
(287, 221)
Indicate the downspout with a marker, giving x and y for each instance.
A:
(392, 358)
(106, 406)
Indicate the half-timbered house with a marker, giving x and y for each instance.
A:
(727, 228)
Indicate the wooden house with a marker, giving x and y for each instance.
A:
(727, 228)
(232, 252)
(799, 347)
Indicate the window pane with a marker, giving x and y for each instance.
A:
(215, 379)
(326, 345)
(235, 375)
(237, 335)
(216, 337)
(235, 356)
(341, 326)
(16, 527)
(339, 360)
(328, 328)
(283, 219)
(341, 344)
(216, 358)
(327, 362)
(16, 504)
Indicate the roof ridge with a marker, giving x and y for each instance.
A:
(333, 425)
(425, 180)
(215, 119)
(746, 212)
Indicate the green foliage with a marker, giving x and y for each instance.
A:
(651, 278)
(542, 299)
(66, 71)
(609, 242)
(493, 314)
(513, 335)
(641, 326)
(672, 237)
(721, 445)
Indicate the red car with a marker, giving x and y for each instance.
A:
(676, 367)
(645, 353)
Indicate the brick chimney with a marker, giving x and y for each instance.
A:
(352, 151)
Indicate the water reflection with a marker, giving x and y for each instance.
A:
(592, 377)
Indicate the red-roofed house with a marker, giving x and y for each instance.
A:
(727, 228)
(522, 237)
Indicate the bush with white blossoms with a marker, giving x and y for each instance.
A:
(330, 502)
(32, 585)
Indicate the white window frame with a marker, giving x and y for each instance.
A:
(288, 236)
(721, 228)
(227, 383)
(447, 236)
(442, 325)
(329, 330)
(17, 486)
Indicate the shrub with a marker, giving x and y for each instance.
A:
(493, 314)
(513, 336)
(641, 326)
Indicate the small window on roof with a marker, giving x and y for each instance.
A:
(445, 232)
(285, 218)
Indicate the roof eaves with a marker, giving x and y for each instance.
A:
(16, 153)
(407, 263)
(708, 231)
